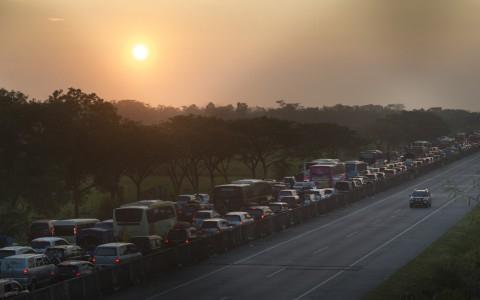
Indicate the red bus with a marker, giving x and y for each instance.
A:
(325, 176)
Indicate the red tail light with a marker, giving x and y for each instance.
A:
(94, 260)
(116, 260)
(75, 230)
(187, 241)
(166, 241)
(77, 274)
(26, 271)
(263, 216)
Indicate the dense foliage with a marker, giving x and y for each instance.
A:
(55, 151)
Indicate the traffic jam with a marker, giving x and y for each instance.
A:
(87, 258)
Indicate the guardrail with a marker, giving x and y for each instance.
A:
(107, 281)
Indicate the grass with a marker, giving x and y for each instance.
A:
(447, 269)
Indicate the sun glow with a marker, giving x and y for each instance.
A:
(140, 52)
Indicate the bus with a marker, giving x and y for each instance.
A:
(355, 168)
(325, 176)
(70, 228)
(320, 161)
(261, 190)
(233, 197)
(373, 157)
(145, 217)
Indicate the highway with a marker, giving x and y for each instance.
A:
(341, 255)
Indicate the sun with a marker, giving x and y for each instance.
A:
(140, 52)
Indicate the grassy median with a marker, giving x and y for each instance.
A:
(447, 269)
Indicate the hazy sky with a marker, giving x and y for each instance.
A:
(421, 53)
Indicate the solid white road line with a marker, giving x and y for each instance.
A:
(206, 275)
(320, 250)
(275, 273)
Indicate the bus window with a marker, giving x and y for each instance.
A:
(128, 215)
(159, 213)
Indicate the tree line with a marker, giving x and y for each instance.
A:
(57, 150)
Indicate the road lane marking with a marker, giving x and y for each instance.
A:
(320, 250)
(375, 250)
(351, 234)
(275, 273)
(333, 222)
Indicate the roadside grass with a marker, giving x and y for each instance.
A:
(447, 269)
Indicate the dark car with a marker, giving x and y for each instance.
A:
(421, 197)
(147, 244)
(74, 268)
(279, 207)
(57, 254)
(10, 288)
(181, 234)
(90, 238)
(259, 212)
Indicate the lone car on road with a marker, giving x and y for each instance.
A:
(421, 197)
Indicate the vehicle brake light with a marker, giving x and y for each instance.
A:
(167, 241)
(75, 230)
(187, 241)
(26, 271)
(77, 274)
(52, 273)
(94, 260)
(116, 260)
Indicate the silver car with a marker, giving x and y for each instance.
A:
(30, 270)
(114, 254)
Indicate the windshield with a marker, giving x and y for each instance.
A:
(420, 194)
(285, 193)
(233, 218)
(209, 224)
(106, 251)
(40, 244)
(5, 253)
(276, 207)
(64, 230)
(202, 215)
(128, 215)
(227, 192)
(177, 235)
(13, 264)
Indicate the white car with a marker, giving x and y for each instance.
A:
(238, 218)
(40, 245)
(15, 250)
(287, 193)
(201, 215)
(114, 254)
(215, 226)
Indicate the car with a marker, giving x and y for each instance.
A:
(201, 215)
(279, 207)
(90, 238)
(238, 218)
(10, 288)
(304, 185)
(147, 244)
(421, 197)
(344, 186)
(182, 200)
(106, 224)
(113, 254)
(318, 194)
(289, 181)
(328, 192)
(187, 211)
(292, 201)
(259, 212)
(40, 245)
(57, 254)
(73, 269)
(181, 233)
(204, 200)
(215, 226)
(30, 270)
(287, 193)
(15, 250)
(40, 228)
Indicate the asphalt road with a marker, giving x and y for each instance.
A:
(338, 256)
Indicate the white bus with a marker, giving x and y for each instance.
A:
(146, 217)
(68, 229)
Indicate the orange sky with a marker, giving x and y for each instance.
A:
(317, 52)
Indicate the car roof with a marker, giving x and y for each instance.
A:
(233, 213)
(62, 246)
(114, 245)
(48, 239)
(206, 210)
(213, 220)
(23, 256)
(15, 247)
(278, 203)
(290, 190)
(150, 237)
(259, 206)
(73, 262)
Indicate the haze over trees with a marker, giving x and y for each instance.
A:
(54, 152)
